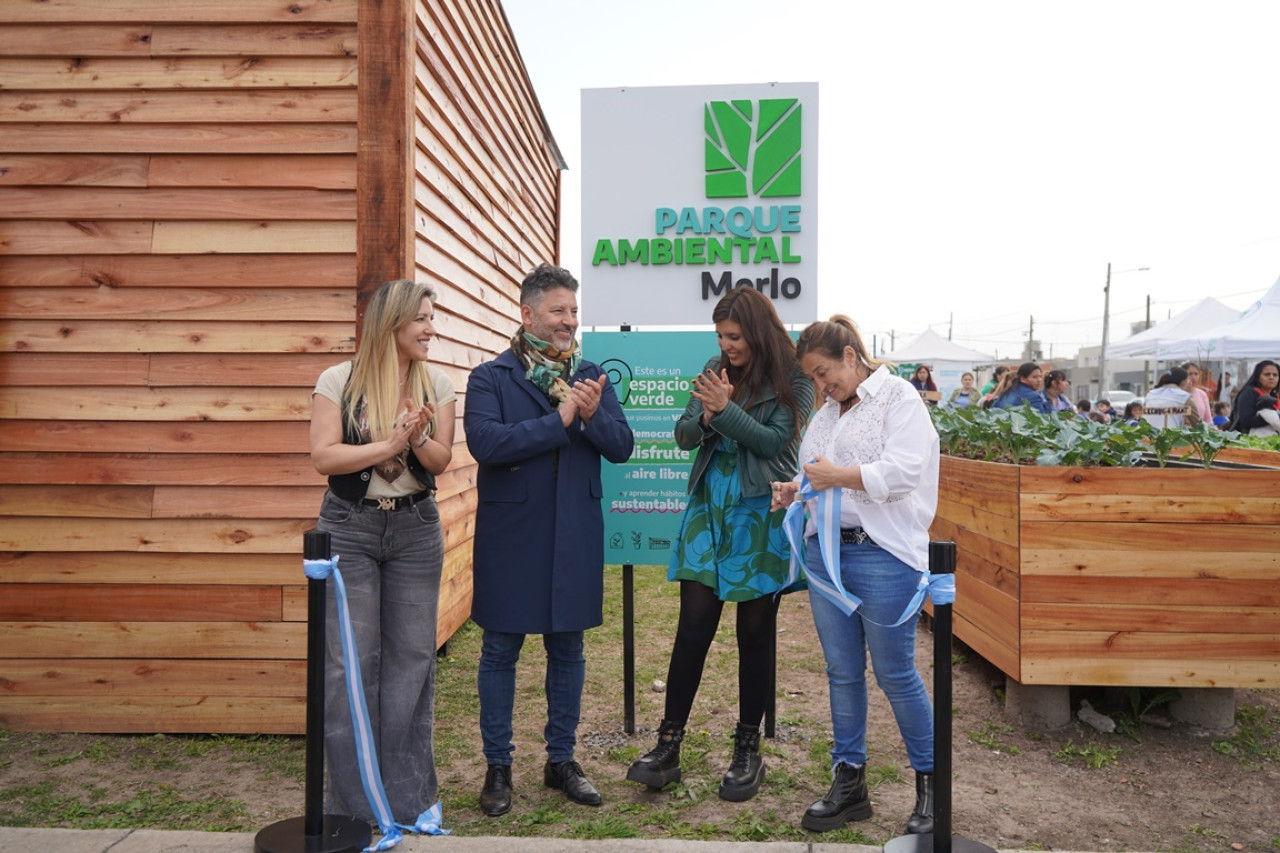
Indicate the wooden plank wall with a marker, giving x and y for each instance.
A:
(179, 258)
(483, 202)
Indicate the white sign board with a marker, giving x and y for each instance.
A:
(690, 191)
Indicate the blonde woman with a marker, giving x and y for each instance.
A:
(382, 430)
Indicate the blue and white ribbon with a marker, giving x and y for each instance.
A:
(429, 822)
(826, 518)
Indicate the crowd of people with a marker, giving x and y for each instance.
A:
(1185, 395)
(539, 420)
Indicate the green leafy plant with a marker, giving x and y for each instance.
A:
(1259, 442)
(1208, 442)
(1024, 436)
(1091, 754)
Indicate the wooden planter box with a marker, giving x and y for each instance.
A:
(1122, 577)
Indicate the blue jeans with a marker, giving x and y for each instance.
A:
(566, 672)
(390, 563)
(885, 584)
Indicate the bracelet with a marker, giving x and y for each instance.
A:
(423, 443)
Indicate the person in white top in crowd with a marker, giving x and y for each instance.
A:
(1226, 389)
(873, 439)
(1169, 404)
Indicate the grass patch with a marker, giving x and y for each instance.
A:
(162, 807)
(1255, 740)
(1090, 755)
(991, 736)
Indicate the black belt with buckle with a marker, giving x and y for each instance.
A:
(853, 536)
(401, 502)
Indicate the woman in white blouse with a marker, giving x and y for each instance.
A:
(874, 441)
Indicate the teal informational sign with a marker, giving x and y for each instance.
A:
(644, 498)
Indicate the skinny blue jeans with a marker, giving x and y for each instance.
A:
(496, 680)
(885, 584)
(390, 563)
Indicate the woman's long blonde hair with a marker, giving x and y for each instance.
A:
(375, 369)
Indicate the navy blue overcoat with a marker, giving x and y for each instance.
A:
(539, 542)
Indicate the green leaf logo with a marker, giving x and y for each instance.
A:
(753, 149)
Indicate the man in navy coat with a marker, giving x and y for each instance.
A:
(538, 419)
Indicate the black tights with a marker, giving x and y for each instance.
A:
(699, 618)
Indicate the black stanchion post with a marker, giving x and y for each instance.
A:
(942, 561)
(315, 831)
(315, 546)
(628, 648)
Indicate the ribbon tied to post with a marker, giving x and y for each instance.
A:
(427, 823)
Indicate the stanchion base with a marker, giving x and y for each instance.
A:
(338, 834)
(924, 844)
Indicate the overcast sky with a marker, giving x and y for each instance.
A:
(981, 162)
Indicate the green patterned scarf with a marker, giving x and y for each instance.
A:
(545, 365)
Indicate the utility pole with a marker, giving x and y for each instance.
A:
(951, 322)
(1106, 322)
(1146, 365)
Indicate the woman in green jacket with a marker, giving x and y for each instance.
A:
(744, 417)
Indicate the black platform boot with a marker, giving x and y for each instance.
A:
(846, 801)
(921, 820)
(746, 770)
(660, 766)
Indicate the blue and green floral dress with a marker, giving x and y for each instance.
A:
(730, 543)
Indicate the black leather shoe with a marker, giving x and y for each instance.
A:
(921, 820)
(568, 777)
(495, 797)
(660, 766)
(746, 768)
(847, 800)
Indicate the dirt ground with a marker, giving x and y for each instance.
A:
(1161, 787)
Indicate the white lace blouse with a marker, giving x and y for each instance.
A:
(888, 433)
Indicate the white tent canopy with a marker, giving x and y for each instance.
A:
(947, 361)
(1255, 333)
(1205, 314)
(929, 347)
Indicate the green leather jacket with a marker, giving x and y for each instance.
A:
(766, 433)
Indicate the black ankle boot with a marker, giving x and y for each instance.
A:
(921, 820)
(847, 800)
(746, 770)
(660, 766)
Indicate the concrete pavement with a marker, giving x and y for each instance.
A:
(21, 840)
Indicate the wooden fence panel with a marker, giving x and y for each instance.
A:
(188, 218)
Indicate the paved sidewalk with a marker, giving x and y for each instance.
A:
(18, 840)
